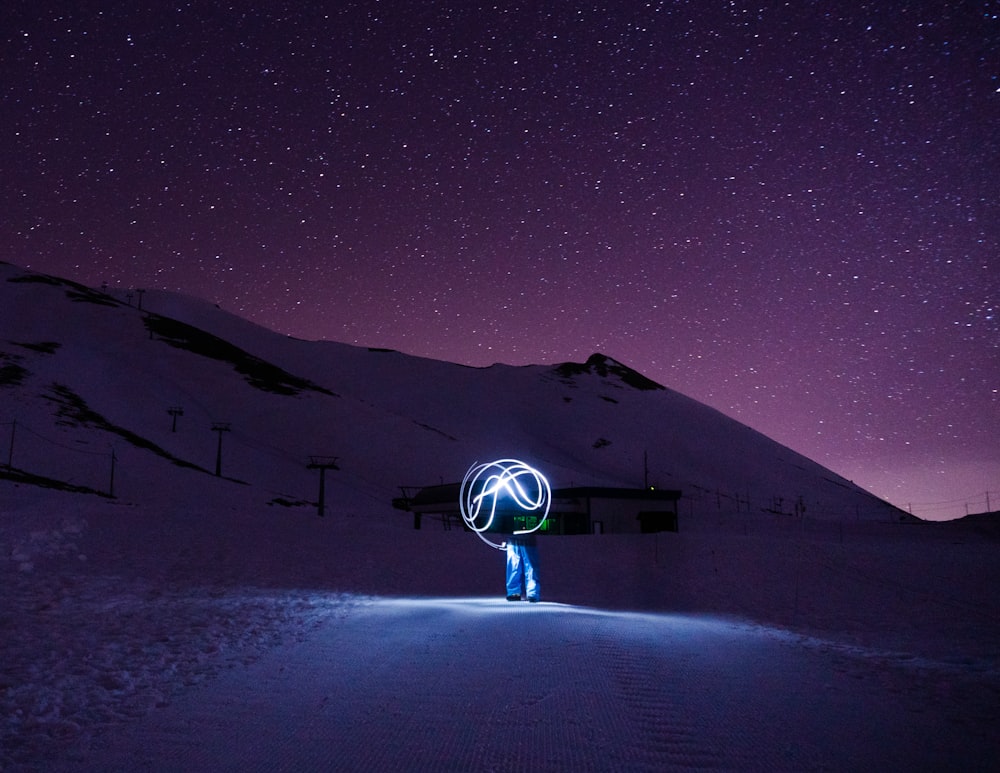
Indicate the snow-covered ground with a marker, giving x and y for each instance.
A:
(214, 632)
(202, 622)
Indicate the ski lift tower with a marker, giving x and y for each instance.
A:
(322, 463)
(174, 412)
(220, 427)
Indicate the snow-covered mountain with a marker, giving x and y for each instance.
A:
(130, 395)
(126, 621)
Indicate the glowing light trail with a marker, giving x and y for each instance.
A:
(503, 483)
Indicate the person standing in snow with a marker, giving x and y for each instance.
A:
(511, 498)
(522, 568)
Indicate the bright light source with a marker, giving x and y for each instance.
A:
(503, 484)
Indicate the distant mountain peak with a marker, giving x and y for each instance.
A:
(601, 365)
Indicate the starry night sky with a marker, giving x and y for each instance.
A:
(789, 211)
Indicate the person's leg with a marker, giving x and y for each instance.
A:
(530, 564)
(515, 572)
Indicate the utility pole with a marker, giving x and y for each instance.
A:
(175, 412)
(322, 463)
(140, 292)
(220, 427)
(10, 451)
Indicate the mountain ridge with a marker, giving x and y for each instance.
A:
(392, 418)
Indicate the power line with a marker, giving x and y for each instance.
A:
(56, 442)
(949, 501)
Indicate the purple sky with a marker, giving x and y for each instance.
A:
(788, 212)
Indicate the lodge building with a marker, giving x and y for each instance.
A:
(574, 510)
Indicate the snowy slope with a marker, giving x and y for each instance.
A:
(391, 419)
(126, 618)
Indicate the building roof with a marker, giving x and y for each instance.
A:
(605, 492)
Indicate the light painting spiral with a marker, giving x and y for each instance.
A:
(504, 484)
